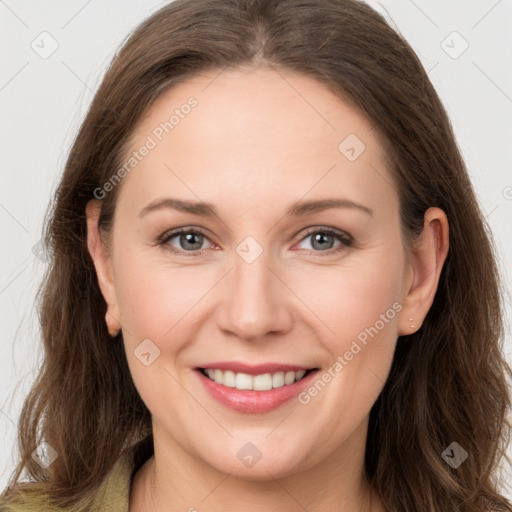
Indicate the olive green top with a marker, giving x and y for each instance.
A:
(114, 491)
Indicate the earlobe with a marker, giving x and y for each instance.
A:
(103, 266)
(427, 260)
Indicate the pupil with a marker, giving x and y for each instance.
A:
(189, 237)
(319, 237)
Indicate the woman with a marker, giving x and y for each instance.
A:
(248, 369)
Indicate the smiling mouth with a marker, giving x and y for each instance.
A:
(261, 382)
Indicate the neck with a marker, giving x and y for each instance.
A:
(171, 480)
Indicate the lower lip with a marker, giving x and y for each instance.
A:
(254, 401)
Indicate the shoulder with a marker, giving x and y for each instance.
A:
(26, 497)
(112, 494)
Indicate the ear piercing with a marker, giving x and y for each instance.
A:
(412, 326)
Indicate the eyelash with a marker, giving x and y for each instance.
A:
(346, 241)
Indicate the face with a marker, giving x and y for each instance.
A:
(269, 286)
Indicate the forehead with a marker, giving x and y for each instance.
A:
(247, 133)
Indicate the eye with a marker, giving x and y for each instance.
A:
(188, 240)
(322, 240)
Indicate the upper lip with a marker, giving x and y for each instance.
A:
(257, 369)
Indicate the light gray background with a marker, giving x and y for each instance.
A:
(42, 101)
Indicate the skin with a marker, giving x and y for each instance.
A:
(258, 141)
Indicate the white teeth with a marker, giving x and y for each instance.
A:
(218, 376)
(262, 382)
(243, 381)
(278, 380)
(228, 379)
(300, 374)
(289, 377)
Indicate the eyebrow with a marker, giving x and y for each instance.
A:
(297, 209)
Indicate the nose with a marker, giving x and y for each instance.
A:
(256, 301)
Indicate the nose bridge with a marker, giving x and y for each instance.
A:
(255, 301)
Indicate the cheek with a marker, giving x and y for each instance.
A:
(154, 301)
(153, 297)
(346, 300)
(357, 308)
(356, 311)
(362, 353)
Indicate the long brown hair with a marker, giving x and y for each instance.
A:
(448, 381)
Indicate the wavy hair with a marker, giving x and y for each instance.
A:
(448, 381)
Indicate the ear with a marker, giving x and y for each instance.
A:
(103, 266)
(426, 262)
